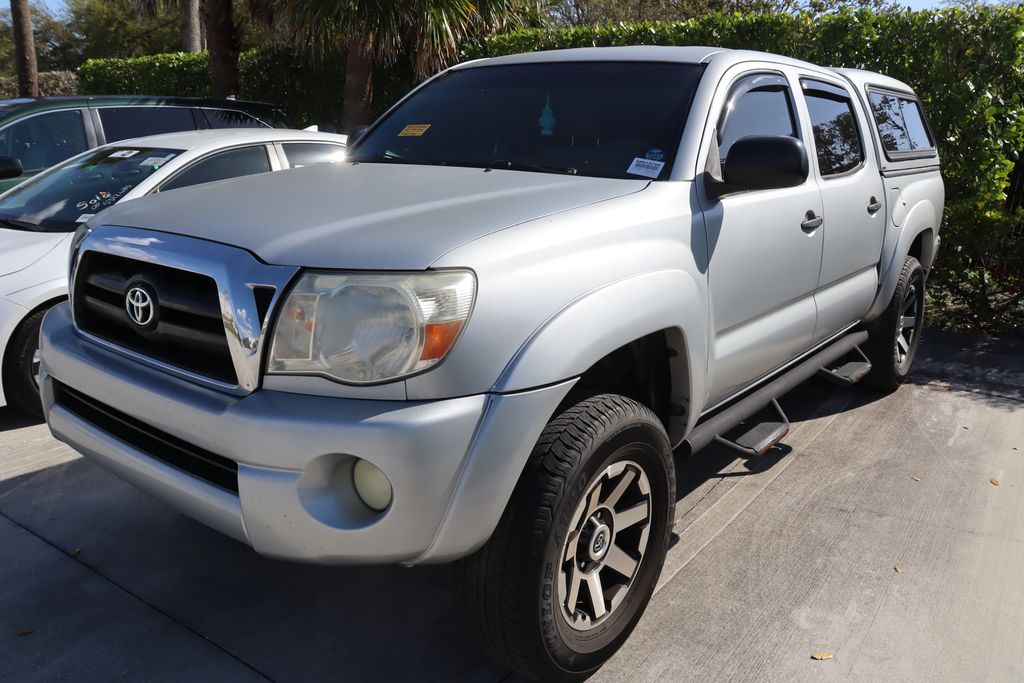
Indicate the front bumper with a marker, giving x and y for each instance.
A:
(452, 463)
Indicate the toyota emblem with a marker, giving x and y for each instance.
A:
(140, 305)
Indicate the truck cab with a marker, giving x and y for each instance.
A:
(484, 337)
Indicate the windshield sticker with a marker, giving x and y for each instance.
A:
(124, 154)
(413, 130)
(156, 162)
(82, 206)
(547, 119)
(655, 155)
(84, 217)
(645, 167)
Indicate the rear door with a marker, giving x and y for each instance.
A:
(763, 263)
(852, 199)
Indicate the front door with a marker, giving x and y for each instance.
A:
(764, 258)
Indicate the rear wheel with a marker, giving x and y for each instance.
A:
(896, 334)
(576, 556)
(21, 366)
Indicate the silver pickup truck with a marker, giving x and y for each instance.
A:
(482, 337)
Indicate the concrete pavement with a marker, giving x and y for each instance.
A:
(775, 558)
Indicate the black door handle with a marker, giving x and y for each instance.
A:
(812, 222)
(874, 206)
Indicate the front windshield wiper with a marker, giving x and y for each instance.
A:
(524, 166)
(19, 225)
(394, 159)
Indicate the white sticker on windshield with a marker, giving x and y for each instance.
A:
(156, 162)
(84, 217)
(645, 167)
(124, 153)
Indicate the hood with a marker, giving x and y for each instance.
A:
(19, 249)
(365, 216)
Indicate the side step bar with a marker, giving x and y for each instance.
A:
(717, 425)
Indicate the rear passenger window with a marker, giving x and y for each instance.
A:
(837, 139)
(234, 163)
(900, 123)
(121, 123)
(761, 110)
(309, 154)
(226, 118)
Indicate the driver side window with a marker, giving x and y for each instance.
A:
(758, 105)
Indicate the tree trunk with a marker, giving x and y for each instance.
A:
(24, 49)
(191, 38)
(222, 43)
(357, 109)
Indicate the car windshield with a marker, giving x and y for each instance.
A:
(605, 119)
(59, 199)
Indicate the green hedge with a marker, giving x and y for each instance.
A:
(51, 84)
(967, 67)
(310, 96)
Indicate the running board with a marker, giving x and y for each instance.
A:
(850, 372)
(758, 436)
(722, 422)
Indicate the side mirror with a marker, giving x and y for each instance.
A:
(761, 162)
(10, 167)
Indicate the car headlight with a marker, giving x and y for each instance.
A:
(363, 329)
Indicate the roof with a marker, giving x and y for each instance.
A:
(31, 104)
(686, 54)
(194, 139)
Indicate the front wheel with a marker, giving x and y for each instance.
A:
(894, 336)
(575, 558)
(21, 366)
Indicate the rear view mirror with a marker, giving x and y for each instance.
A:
(10, 167)
(761, 162)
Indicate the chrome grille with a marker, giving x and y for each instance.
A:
(211, 303)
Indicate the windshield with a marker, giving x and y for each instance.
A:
(71, 193)
(604, 119)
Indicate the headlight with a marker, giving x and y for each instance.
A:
(363, 329)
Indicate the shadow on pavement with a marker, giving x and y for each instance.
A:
(12, 418)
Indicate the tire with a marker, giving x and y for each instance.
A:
(21, 366)
(892, 342)
(515, 588)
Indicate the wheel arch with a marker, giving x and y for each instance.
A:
(917, 238)
(653, 324)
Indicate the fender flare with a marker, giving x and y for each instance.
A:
(921, 218)
(581, 333)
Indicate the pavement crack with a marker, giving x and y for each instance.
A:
(136, 596)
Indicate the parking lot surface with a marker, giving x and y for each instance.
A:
(888, 532)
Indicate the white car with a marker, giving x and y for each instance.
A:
(38, 217)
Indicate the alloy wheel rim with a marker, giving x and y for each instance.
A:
(605, 545)
(907, 327)
(37, 365)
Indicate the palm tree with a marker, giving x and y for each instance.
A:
(24, 49)
(222, 43)
(191, 19)
(379, 32)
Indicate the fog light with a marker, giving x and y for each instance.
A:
(372, 485)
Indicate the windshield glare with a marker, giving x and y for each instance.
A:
(604, 119)
(71, 193)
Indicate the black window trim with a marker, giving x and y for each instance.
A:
(909, 155)
(811, 84)
(268, 149)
